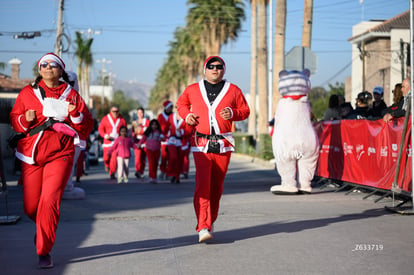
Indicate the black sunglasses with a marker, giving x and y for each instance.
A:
(52, 64)
(218, 67)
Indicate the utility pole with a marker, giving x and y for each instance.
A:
(59, 29)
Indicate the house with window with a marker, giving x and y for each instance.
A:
(380, 55)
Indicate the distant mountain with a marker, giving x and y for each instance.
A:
(133, 89)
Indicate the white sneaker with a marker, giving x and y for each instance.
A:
(120, 180)
(126, 180)
(204, 235)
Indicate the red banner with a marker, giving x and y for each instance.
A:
(364, 152)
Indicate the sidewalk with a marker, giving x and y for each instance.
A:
(140, 228)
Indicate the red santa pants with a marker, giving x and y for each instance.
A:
(43, 186)
(164, 158)
(140, 157)
(175, 161)
(211, 170)
(109, 161)
(153, 158)
(186, 161)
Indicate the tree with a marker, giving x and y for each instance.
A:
(219, 21)
(253, 70)
(262, 74)
(125, 104)
(279, 60)
(85, 59)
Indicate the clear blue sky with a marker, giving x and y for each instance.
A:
(135, 34)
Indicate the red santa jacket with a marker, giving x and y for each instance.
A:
(165, 125)
(110, 126)
(194, 100)
(79, 121)
(178, 130)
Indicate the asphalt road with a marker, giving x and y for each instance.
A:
(141, 228)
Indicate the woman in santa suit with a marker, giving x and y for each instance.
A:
(211, 106)
(138, 128)
(52, 115)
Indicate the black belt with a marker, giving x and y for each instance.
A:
(42, 127)
(210, 137)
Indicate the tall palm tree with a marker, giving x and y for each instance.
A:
(307, 24)
(219, 22)
(279, 60)
(262, 74)
(253, 69)
(85, 59)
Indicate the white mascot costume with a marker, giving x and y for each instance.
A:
(295, 143)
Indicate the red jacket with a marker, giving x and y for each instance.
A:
(194, 100)
(165, 125)
(80, 120)
(110, 126)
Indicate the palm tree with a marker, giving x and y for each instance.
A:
(262, 84)
(253, 69)
(307, 24)
(219, 21)
(2, 66)
(279, 62)
(85, 59)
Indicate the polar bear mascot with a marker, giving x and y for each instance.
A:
(295, 143)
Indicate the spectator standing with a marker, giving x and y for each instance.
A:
(399, 111)
(333, 111)
(378, 106)
(211, 106)
(152, 141)
(51, 114)
(121, 149)
(108, 129)
(138, 128)
(163, 120)
(362, 110)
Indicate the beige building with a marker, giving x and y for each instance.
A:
(380, 55)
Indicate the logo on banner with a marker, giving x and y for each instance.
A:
(371, 151)
(360, 151)
(394, 153)
(384, 151)
(348, 149)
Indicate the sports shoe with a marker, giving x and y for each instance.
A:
(120, 180)
(45, 262)
(126, 180)
(204, 235)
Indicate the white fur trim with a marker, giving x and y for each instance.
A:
(77, 120)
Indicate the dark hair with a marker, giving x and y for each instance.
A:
(397, 93)
(123, 127)
(333, 101)
(142, 109)
(148, 131)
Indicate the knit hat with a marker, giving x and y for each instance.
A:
(378, 90)
(212, 59)
(167, 104)
(51, 56)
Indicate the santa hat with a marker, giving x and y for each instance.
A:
(167, 104)
(212, 59)
(51, 56)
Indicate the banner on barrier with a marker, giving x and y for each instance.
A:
(364, 152)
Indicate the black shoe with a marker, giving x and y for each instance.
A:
(113, 176)
(173, 180)
(78, 179)
(45, 262)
